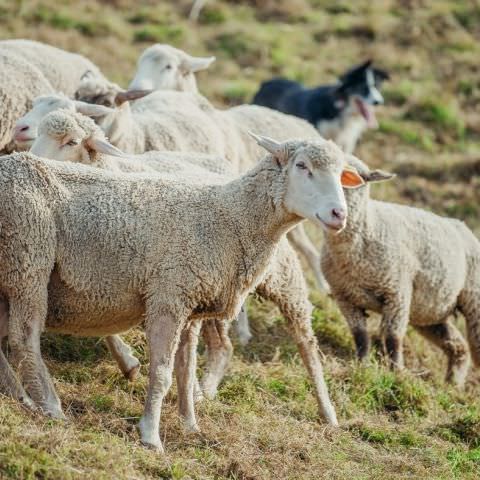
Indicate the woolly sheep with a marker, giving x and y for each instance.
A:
(80, 253)
(408, 265)
(69, 136)
(163, 67)
(15, 101)
(64, 70)
(29, 69)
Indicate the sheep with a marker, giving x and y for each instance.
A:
(408, 265)
(29, 69)
(80, 253)
(64, 70)
(14, 101)
(163, 67)
(69, 136)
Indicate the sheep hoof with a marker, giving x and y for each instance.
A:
(156, 446)
(54, 413)
(28, 403)
(189, 427)
(132, 374)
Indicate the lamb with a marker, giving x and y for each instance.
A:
(80, 253)
(29, 69)
(163, 67)
(69, 136)
(408, 265)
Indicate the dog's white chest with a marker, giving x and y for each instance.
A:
(344, 132)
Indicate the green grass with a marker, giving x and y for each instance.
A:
(264, 423)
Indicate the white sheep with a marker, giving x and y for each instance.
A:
(163, 67)
(64, 70)
(29, 69)
(80, 253)
(68, 136)
(410, 266)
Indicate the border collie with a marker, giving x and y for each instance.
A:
(341, 112)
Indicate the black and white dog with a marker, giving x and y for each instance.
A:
(341, 112)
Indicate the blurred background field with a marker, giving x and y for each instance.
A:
(263, 425)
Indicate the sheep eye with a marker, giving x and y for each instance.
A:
(168, 67)
(72, 143)
(301, 166)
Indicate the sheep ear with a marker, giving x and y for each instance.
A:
(102, 146)
(350, 178)
(91, 109)
(129, 95)
(379, 176)
(277, 149)
(195, 64)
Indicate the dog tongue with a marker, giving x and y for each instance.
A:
(368, 113)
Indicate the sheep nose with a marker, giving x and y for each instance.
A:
(20, 128)
(339, 214)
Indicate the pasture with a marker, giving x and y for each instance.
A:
(263, 424)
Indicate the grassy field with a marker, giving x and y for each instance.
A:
(263, 424)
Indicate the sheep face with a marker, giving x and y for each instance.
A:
(67, 148)
(315, 175)
(26, 127)
(162, 67)
(71, 137)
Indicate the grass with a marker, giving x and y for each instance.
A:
(264, 422)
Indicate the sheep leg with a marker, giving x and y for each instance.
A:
(450, 340)
(9, 384)
(309, 351)
(163, 336)
(122, 353)
(185, 371)
(357, 322)
(302, 244)
(27, 316)
(243, 326)
(219, 354)
(469, 304)
(290, 295)
(396, 313)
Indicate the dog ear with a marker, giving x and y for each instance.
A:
(366, 64)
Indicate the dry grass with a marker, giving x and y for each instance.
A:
(263, 424)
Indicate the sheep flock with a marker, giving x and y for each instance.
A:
(150, 207)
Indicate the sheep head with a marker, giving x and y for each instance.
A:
(163, 67)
